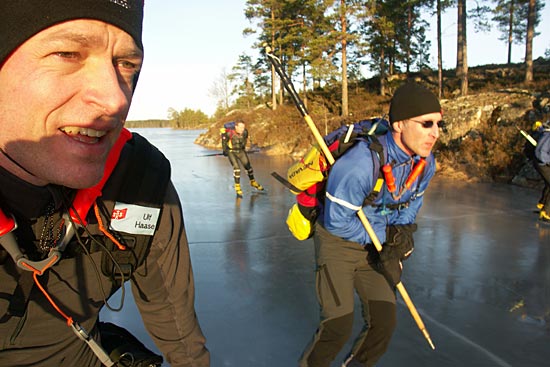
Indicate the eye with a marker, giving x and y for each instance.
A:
(66, 54)
(128, 69)
(427, 124)
(128, 65)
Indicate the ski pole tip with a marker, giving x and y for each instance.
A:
(428, 338)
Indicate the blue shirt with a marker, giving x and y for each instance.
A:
(542, 152)
(352, 179)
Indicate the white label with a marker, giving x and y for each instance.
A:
(134, 219)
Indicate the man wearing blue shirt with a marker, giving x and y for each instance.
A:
(345, 256)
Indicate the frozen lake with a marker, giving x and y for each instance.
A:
(479, 276)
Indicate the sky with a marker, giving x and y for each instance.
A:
(189, 44)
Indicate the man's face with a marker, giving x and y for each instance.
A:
(415, 135)
(64, 97)
(239, 127)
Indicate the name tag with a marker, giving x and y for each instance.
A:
(134, 219)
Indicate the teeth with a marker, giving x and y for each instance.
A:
(73, 130)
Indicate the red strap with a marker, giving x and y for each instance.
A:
(7, 224)
(85, 198)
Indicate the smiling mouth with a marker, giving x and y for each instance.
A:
(83, 134)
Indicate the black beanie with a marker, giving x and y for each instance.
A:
(411, 100)
(22, 19)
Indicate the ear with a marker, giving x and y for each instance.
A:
(397, 126)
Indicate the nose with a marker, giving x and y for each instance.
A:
(435, 130)
(105, 89)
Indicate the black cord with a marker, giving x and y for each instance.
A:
(95, 267)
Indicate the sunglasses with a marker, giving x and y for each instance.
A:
(429, 124)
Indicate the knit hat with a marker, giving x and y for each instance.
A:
(22, 19)
(411, 100)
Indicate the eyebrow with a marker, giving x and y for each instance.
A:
(70, 35)
(86, 40)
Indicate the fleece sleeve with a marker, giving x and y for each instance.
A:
(542, 152)
(164, 291)
(350, 182)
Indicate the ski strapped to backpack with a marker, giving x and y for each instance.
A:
(307, 177)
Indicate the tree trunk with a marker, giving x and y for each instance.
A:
(510, 31)
(439, 52)
(409, 26)
(273, 73)
(281, 92)
(382, 74)
(529, 43)
(459, 40)
(304, 83)
(273, 89)
(462, 59)
(344, 59)
(390, 59)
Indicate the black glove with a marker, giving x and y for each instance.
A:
(399, 242)
(125, 349)
(398, 246)
(391, 268)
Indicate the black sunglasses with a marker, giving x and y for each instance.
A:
(429, 124)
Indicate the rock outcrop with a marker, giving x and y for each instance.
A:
(482, 141)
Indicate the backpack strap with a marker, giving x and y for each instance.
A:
(381, 154)
(141, 180)
(378, 160)
(147, 175)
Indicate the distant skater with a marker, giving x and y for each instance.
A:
(542, 165)
(538, 152)
(234, 140)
